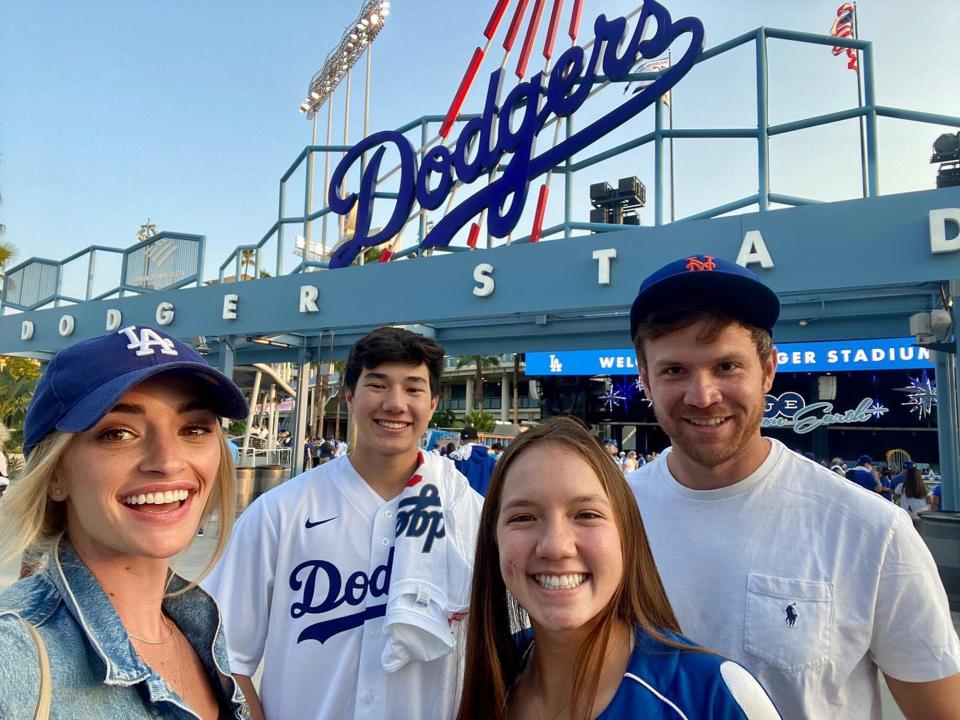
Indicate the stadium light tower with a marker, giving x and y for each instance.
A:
(357, 39)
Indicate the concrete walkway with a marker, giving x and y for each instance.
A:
(192, 562)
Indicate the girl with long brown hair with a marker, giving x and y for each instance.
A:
(912, 493)
(562, 551)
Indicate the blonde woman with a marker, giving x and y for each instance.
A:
(125, 459)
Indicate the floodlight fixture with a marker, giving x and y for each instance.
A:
(356, 38)
(618, 205)
(946, 153)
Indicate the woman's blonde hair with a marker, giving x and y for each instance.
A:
(31, 519)
(494, 658)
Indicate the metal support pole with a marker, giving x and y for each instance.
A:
(947, 427)
(346, 141)
(308, 193)
(763, 140)
(657, 163)
(227, 352)
(302, 402)
(673, 204)
(422, 230)
(283, 193)
(326, 171)
(250, 413)
(863, 159)
(273, 423)
(568, 187)
(366, 106)
(90, 266)
(873, 176)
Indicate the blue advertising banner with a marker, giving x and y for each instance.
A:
(834, 355)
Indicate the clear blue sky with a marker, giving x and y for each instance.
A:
(187, 113)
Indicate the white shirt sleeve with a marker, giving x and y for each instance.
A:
(913, 635)
(242, 584)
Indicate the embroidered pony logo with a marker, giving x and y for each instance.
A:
(792, 616)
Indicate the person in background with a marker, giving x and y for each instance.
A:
(308, 452)
(561, 547)
(912, 494)
(326, 452)
(125, 458)
(838, 466)
(474, 460)
(496, 450)
(865, 476)
(935, 498)
(900, 478)
(886, 484)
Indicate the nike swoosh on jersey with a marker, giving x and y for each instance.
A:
(309, 524)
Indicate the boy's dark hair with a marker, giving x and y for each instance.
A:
(665, 321)
(390, 344)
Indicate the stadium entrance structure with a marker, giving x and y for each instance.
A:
(843, 270)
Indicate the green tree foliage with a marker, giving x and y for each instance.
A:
(482, 421)
(444, 419)
(18, 379)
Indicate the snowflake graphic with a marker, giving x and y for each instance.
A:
(878, 409)
(642, 391)
(612, 399)
(921, 396)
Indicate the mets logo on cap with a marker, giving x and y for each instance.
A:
(701, 262)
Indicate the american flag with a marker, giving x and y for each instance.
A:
(843, 28)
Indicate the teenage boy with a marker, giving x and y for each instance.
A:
(305, 580)
(767, 557)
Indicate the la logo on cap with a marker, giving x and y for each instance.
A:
(701, 262)
(147, 342)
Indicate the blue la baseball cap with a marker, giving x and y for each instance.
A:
(711, 283)
(865, 460)
(85, 380)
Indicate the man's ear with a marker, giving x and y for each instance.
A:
(769, 370)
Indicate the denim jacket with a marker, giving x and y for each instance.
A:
(95, 670)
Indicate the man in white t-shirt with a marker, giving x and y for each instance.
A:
(304, 583)
(767, 557)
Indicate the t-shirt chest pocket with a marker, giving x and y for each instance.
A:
(789, 623)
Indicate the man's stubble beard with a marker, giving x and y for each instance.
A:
(714, 454)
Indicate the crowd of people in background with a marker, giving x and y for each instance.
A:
(906, 488)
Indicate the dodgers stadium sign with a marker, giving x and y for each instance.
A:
(485, 140)
(883, 354)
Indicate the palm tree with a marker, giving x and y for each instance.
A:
(479, 363)
(248, 259)
(7, 253)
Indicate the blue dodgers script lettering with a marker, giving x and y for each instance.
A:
(414, 520)
(566, 90)
(322, 589)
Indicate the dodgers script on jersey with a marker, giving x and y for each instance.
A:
(304, 587)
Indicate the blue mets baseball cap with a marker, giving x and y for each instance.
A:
(709, 282)
(84, 381)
